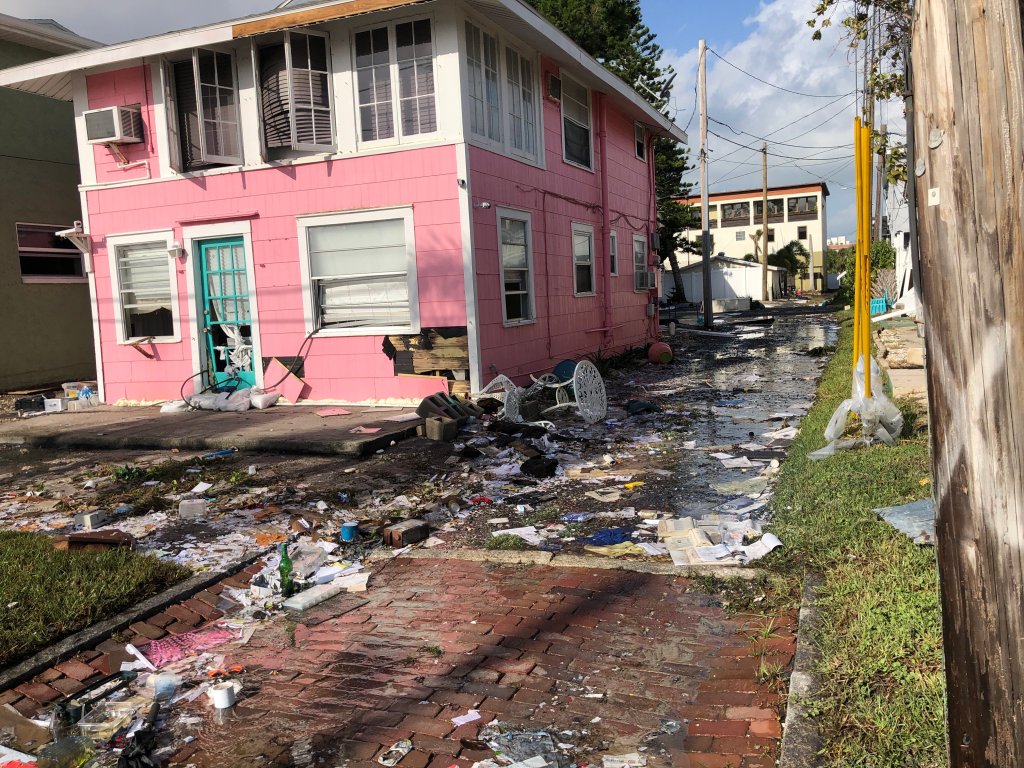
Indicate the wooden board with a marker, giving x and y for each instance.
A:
(300, 18)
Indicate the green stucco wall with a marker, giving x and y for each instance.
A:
(45, 328)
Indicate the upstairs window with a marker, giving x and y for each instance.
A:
(295, 93)
(801, 208)
(735, 214)
(775, 210)
(402, 53)
(522, 109)
(576, 137)
(46, 257)
(640, 139)
(482, 67)
(362, 272)
(613, 252)
(204, 121)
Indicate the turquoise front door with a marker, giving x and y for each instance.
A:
(227, 323)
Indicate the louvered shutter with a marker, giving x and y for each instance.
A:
(188, 114)
(277, 131)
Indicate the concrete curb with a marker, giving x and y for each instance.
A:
(533, 557)
(97, 633)
(801, 741)
(350, 446)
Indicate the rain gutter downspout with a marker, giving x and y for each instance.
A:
(606, 223)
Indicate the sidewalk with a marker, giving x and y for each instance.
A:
(281, 429)
(611, 661)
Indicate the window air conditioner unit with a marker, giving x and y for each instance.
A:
(113, 125)
(554, 87)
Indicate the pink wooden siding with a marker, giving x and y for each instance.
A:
(349, 368)
(122, 88)
(567, 326)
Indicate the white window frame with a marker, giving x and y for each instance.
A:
(613, 253)
(588, 230)
(397, 137)
(639, 268)
(524, 216)
(499, 120)
(116, 242)
(291, 91)
(174, 116)
(509, 89)
(64, 252)
(309, 301)
(589, 126)
(640, 139)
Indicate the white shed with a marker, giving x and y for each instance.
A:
(730, 279)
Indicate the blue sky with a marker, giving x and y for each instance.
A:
(769, 38)
(766, 37)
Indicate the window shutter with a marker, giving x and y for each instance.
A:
(173, 120)
(277, 130)
(190, 148)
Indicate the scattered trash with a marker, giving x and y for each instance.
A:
(915, 520)
(471, 716)
(539, 466)
(397, 751)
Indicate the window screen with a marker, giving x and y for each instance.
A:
(144, 288)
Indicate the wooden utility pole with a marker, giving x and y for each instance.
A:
(705, 209)
(764, 221)
(968, 67)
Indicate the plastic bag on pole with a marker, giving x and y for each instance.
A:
(881, 419)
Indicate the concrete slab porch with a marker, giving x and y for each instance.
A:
(282, 429)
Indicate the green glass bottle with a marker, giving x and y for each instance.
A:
(287, 583)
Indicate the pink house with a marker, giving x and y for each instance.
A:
(389, 200)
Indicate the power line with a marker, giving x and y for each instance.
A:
(773, 85)
(780, 143)
(37, 159)
(804, 117)
(693, 112)
(772, 154)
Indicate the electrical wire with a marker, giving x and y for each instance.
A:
(771, 154)
(696, 83)
(848, 145)
(773, 85)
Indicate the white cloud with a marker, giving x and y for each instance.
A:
(113, 21)
(777, 48)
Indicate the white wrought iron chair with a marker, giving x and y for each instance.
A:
(584, 391)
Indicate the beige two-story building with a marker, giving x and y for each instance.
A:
(794, 213)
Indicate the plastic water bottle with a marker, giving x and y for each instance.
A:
(287, 584)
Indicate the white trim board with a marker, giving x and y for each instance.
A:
(190, 235)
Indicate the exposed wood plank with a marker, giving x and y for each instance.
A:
(300, 18)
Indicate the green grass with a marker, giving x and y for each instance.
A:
(506, 541)
(882, 697)
(46, 594)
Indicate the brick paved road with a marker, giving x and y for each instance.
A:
(523, 644)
